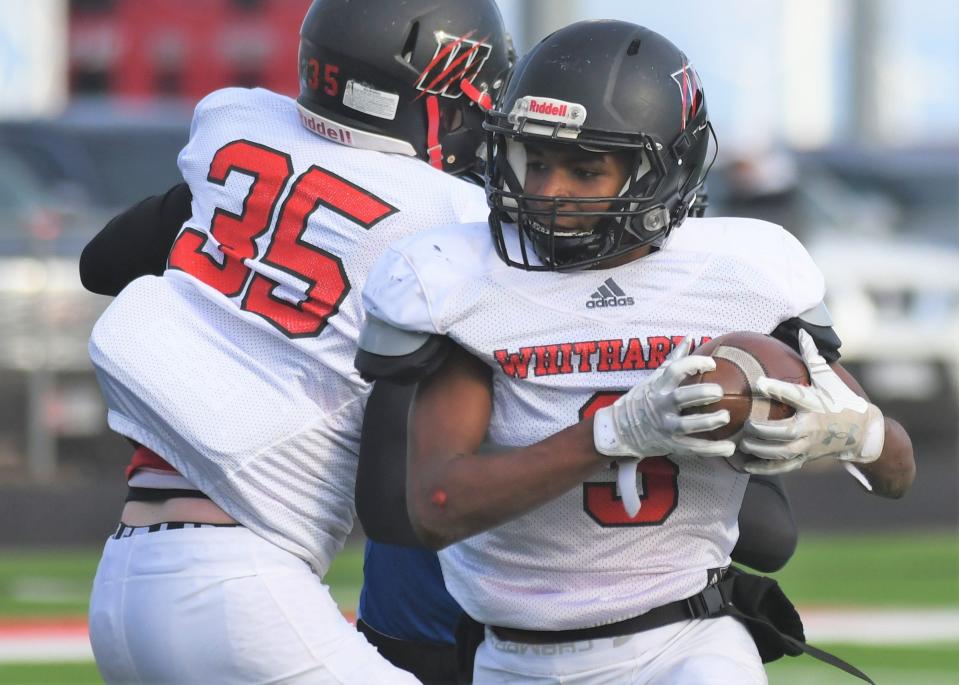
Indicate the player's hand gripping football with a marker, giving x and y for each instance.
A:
(830, 421)
(646, 421)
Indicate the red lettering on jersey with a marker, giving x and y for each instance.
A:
(549, 361)
(234, 235)
(609, 355)
(566, 366)
(657, 492)
(601, 399)
(633, 359)
(294, 313)
(659, 347)
(585, 350)
(600, 356)
(513, 364)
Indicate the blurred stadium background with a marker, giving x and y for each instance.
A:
(837, 118)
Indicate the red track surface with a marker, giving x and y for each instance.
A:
(42, 627)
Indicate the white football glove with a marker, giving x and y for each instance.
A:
(830, 421)
(645, 422)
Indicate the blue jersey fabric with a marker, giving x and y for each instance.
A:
(403, 594)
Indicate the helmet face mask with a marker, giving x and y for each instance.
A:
(572, 201)
(594, 87)
(411, 78)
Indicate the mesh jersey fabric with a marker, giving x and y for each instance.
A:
(265, 423)
(555, 356)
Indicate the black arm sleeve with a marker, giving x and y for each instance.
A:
(767, 528)
(825, 337)
(136, 242)
(403, 369)
(381, 475)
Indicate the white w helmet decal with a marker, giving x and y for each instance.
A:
(456, 59)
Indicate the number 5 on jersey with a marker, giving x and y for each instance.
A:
(658, 488)
(226, 259)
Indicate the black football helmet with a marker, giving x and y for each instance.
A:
(411, 77)
(604, 86)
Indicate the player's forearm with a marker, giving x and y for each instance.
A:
(892, 473)
(467, 494)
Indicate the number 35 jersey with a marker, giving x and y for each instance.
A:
(562, 345)
(236, 366)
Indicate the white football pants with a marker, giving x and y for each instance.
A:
(222, 605)
(717, 651)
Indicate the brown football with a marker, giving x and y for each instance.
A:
(741, 358)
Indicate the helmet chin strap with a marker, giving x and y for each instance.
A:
(481, 98)
(433, 147)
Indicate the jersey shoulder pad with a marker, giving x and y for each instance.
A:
(223, 97)
(414, 280)
(388, 353)
(470, 202)
(762, 247)
(227, 106)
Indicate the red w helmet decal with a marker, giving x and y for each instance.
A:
(690, 89)
(457, 59)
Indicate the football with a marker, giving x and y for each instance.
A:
(741, 358)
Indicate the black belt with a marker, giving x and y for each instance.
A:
(756, 601)
(706, 603)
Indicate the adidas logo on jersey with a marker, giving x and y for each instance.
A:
(609, 295)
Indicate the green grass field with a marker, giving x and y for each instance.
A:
(888, 571)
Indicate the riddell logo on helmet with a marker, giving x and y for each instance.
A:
(536, 108)
(541, 107)
(320, 127)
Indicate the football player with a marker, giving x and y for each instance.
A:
(540, 343)
(232, 371)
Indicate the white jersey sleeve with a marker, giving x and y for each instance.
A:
(767, 251)
(411, 285)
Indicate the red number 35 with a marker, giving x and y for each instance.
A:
(657, 484)
(234, 237)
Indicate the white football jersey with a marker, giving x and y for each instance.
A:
(236, 366)
(562, 345)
